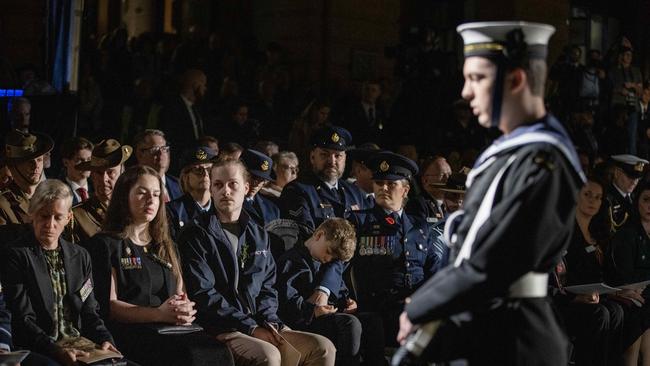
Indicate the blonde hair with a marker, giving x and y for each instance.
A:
(49, 191)
(341, 236)
(232, 162)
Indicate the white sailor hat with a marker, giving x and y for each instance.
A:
(633, 166)
(493, 38)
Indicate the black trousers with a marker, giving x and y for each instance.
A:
(510, 332)
(356, 337)
(596, 330)
(146, 347)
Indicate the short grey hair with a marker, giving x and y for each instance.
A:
(289, 155)
(49, 191)
(139, 138)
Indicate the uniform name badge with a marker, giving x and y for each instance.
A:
(86, 289)
(128, 263)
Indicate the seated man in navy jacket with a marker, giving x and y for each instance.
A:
(230, 274)
(299, 271)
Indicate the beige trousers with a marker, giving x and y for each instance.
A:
(315, 350)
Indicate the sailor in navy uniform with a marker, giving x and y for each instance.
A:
(196, 164)
(261, 209)
(395, 252)
(628, 169)
(517, 216)
(321, 193)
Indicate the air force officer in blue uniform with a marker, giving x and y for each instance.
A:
(258, 207)
(395, 252)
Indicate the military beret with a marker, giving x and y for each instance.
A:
(387, 165)
(331, 137)
(258, 164)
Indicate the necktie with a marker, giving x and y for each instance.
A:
(629, 199)
(336, 194)
(398, 223)
(83, 193)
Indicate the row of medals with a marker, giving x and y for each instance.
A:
(376, 245)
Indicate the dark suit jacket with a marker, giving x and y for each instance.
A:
(211, 270)
(175, 120)
(29, 293)
(362, 129)
(75, 200)
(173, 187)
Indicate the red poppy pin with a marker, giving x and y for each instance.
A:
(390, 220)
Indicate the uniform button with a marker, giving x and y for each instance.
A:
(408, 264)
(405, 240)
(407, 252)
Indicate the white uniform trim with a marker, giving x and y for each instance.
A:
(449, 237)
(530, 285)
(483, 214)
(524, 139)
(478, 170)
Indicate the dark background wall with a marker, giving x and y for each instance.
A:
(330, 41)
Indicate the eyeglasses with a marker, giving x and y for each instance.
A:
(155, 150)
(294, 169)
(200, 170)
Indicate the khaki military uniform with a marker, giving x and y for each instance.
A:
(14, 206)
(87, 219)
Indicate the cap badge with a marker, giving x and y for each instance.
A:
(384, 166)
(335, 137)
(639, 166)
(265, 166)
(201, 155)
